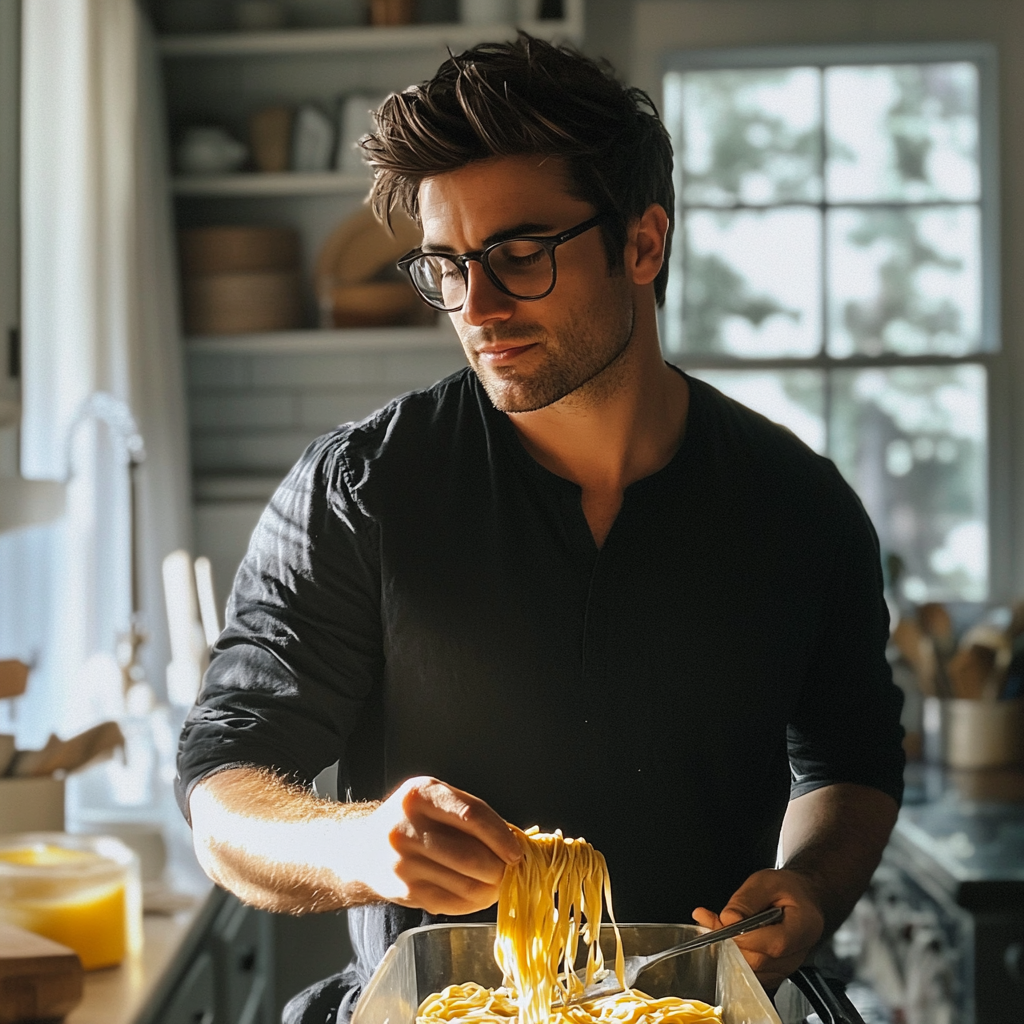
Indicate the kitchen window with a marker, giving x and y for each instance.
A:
(835, 267)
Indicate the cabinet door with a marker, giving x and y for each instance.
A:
(241, 945)
(194, 1001)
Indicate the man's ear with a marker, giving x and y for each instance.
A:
(645, 245)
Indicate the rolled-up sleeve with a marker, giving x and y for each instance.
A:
(846, 723)
(301, 651)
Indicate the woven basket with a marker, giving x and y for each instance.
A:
(242, 303)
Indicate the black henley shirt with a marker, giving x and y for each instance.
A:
(422, 597)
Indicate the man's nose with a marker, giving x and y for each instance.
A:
(485, 302)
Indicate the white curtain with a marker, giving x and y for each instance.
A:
(99, 314)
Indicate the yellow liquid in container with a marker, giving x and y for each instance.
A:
(45, 854)
(77, 890)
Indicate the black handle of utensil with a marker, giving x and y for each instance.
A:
(831, 1006)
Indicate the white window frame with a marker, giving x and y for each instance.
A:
(990, 355)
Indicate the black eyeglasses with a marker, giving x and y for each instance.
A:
(523, 268)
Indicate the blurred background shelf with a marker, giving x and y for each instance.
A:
(286, 184)
(366, 38)
(256, 400)
(369, 339)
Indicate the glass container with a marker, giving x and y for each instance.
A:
(81, 891)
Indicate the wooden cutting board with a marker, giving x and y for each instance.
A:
(39, 979)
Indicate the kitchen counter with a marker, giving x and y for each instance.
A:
(210, 957)
(942, 928)
(132, 993)
(973, 851)
(179, 911)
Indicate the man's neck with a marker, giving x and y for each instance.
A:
(614, 434)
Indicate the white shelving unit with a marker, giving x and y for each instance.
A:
(223, 77)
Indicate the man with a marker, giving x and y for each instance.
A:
(569, 586)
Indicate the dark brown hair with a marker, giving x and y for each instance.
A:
(510, 99)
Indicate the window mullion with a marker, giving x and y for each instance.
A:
(826, 376)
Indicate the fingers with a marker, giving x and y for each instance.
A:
(448, 847)
(776, 951)
(433, 846)
(707, 919)
(760, 891)
(462, 812)
(435, 899)
(440, 890)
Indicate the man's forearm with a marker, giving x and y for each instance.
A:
(288, 851)
(834, 837)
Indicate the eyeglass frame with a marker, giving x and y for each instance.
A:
(482, 256)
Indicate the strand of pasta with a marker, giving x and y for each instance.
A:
(547, 903)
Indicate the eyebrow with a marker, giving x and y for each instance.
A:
(517, 231)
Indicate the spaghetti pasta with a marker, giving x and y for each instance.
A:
(548, 903)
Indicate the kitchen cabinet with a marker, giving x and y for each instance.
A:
(224, 973)
(242, 947)
(194, 1001)
(239, 965)
(940, 933)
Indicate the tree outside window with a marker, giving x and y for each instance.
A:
(834, 270)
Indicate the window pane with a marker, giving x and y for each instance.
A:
(746, 136)
(750, 284)
(904, 281)
(902, 132)
(794, 398)
(912, 442)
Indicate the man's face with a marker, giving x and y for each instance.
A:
(529, 355)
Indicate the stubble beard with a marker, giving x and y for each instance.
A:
(584, 366)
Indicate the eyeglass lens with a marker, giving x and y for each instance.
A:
(524, 268)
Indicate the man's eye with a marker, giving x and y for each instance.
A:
(518, 255)
(524, 261)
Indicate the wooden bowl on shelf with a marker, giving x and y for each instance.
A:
(392, 12)
(240, 279)
(376, 304)
(360, 249)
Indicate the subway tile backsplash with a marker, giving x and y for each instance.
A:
(254, 413)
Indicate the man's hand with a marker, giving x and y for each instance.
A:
(435, 847)
(776, 951)
(832, 841)
(278, 847)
